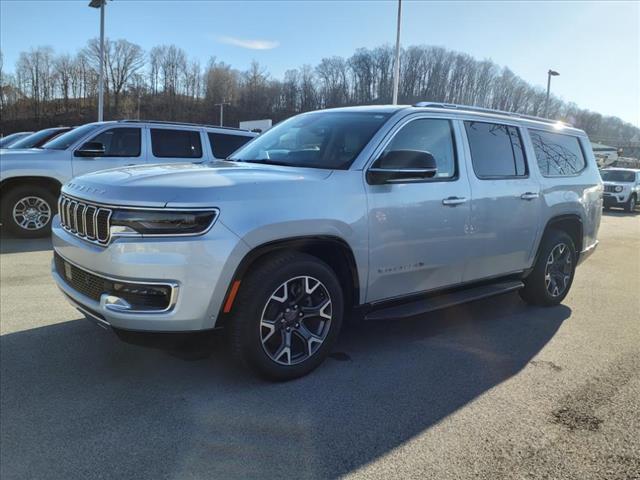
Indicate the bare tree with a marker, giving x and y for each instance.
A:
(172, 86)
(122, 59)
(332, 73)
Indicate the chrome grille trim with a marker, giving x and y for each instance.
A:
(72, 220)
(105, 238)
(81, 219)
(90, 220)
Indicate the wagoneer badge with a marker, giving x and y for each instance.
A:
(84, 188)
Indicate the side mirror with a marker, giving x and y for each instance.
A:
(90, 149)
(399, 166)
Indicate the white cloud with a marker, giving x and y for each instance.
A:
(250, 44)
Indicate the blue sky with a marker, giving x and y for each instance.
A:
(594, 45)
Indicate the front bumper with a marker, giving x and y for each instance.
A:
(587, 252)
(199, 269)
(615, 199)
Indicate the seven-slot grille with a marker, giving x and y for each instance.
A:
(87, 221)
(610, 188)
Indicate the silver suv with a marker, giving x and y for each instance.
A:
(621, 188)
(385, 211)
(30, 179)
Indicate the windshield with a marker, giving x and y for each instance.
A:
(618, 176)
(317, 140)
(65, 140)
(35, 139)
(13, 138)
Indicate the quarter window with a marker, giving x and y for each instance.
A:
(496, 150)
(167, 143)
(223, 144)
(120, 142)
(427, 135)
(558, 155)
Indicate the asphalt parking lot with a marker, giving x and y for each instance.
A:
(493, 389)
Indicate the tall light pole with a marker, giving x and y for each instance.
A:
(221, 105)
(100, 4)
(396, 65)
(550, 73)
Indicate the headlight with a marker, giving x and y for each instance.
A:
(618, 188)
(161, 222)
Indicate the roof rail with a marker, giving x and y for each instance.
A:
(186, 124)
(468, 108)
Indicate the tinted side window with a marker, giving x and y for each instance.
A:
(120, 142)
(428, 135)
(496, 150)
(223, 145)
(166, 143)
(557, 154)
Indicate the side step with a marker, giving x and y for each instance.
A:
(445, 300)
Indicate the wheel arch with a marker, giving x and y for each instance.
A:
(51, 184)
(571, 224)
(334, 251)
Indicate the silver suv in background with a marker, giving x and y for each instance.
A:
(391, 211)
(30, 180)
(621, 188)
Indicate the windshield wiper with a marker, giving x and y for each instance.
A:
(266, 162)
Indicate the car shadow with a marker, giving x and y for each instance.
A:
(78, 403)
(10, 244)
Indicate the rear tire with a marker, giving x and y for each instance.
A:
(630, 206)
(27, 211)
(550, 281)
(289, 299)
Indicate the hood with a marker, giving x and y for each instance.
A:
(618, 184)
(191, 184)
(23, 153)
(35, 162)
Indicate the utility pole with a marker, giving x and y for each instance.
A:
(100, 4)
(396, 66)
(221, 105)
(550, 73)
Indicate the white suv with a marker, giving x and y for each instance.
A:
(30, 180)
(621, 188)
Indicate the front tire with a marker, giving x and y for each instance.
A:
(630, 206)
(28, 211)
(287, 316)
(549, 282)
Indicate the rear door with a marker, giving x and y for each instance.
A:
(123, 146)
(505, 200)
(173, 144)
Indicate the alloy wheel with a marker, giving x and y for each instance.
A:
(31, 213)
(296, 320)
(557, 274)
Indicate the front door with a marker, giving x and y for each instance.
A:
(417, 229)
(122, 147)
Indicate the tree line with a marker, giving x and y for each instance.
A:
(46, 89)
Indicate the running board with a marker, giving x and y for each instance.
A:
(437, 302)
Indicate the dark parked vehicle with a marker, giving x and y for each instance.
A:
(38, 139)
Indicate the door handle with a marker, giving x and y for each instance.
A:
(529, 196)
(453, 201)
